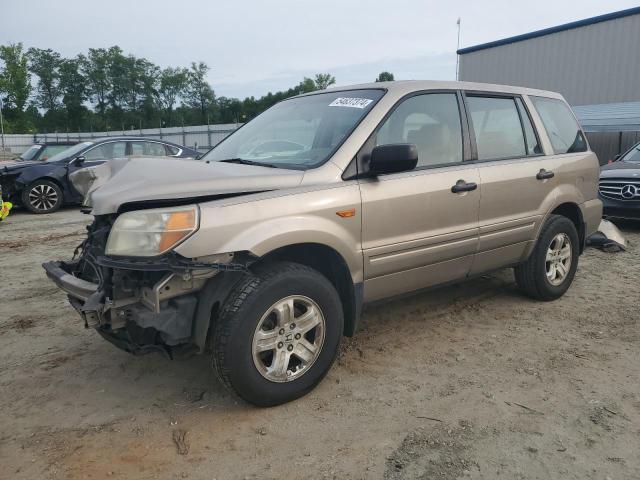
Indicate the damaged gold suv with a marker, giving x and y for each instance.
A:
(264, 252)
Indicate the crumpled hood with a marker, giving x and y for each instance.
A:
(139, 179)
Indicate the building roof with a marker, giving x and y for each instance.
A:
(548, 31)
(609, 117)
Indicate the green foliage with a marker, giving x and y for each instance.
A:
(15, 86)
(323, 80)
(45, 64)
(107, 89)
(385, 77)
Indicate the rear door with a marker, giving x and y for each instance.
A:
(416, 231)
(517, 178)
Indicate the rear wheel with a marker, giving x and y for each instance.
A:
(278, 334)
(549, 271)
(42, 196)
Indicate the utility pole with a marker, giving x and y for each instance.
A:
(458, 48)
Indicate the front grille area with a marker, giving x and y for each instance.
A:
(620, 189)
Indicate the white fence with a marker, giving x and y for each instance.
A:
(200, 137)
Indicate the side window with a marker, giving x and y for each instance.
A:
(171, 150)
(533, 146)
(432, 123)
(561, 126)
(148, 149)
(106, 151)
(496, 124)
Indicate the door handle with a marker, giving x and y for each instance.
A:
(462, 186)
(544, 174)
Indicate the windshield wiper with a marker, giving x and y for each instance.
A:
(242, 161)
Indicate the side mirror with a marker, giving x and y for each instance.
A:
(79, 160)
(616, 157)
(393, 158)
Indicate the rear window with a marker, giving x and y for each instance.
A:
(561, 126)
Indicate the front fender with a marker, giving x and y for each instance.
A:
(265, 224)
(54, 171)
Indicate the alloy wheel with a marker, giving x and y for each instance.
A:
(558, 260)
(288, 339)
(43, 197)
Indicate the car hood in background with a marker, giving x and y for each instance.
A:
(129, 180)
(621, 169)
(13, 165)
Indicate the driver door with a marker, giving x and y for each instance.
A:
(416, 231)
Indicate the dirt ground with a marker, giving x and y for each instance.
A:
(469, 381)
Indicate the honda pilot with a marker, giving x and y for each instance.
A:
(263, 254)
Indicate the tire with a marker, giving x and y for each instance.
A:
(42, 196)
(249, 322)
(536, 277)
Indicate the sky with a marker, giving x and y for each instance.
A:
(257, 46)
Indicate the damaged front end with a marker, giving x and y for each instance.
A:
(144, 304)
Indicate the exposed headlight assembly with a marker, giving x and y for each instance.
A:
(148, 233)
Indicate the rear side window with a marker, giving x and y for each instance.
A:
(432, 123)
(152, 149)
(497, 127)
(561, 126)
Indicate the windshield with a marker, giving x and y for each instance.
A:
(300, 133)
(69, 152)
(632, 155)
(30, 153)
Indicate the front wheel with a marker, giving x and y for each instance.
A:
(549, 271)
(278, 334)
(42, 196)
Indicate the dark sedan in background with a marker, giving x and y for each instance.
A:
(44, 186)
(620, 186)
(43, 151)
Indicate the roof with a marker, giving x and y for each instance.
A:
(548, 31)
(609, 117)
(403, 87)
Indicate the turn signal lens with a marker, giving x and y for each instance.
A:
(178, 226)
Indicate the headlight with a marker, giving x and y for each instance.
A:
(147, 233)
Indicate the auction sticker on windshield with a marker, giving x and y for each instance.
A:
(350, 102)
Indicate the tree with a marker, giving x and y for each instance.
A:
(199, 93)
(323, 80)
(45, 64)
(72, 86)
(173, 85)
(95, 68)
(385, 77)
(15, 85)
(14, 77)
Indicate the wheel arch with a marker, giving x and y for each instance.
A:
(572, 211)
(332, 265)
(27, 184)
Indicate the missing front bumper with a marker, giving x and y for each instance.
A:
(140, 312)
